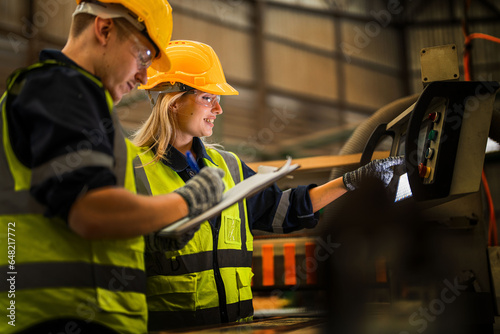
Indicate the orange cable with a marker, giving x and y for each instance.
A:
(466, 65)
(468, 39)
(478, 35)
(492, 226)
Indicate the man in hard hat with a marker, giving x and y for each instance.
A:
(72, 224)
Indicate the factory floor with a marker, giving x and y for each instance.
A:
(308, 323)
(272, 325)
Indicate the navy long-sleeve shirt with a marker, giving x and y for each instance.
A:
(59, 119)
(271, 210)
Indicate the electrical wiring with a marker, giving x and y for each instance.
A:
(492, 226)
(472, 36)
(468, 47)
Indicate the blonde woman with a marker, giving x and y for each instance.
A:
(205, 278)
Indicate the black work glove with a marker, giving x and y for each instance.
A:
(381, 169)
(156, 243)
(203, 191)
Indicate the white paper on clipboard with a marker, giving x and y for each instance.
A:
(245, 188)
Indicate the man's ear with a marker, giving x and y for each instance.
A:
(102, 29)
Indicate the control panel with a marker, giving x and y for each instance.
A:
(443, 138)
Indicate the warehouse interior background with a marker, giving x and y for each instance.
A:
(308, 72)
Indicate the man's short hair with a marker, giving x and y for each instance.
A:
(83, 20)
(80, 22)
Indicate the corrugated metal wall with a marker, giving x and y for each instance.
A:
(308, 71)
(28, 26)
(438, 23)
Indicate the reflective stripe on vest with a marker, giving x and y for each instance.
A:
(78, 274)
(56, 273)
(181, 283)
(202, 317)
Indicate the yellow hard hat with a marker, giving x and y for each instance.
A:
(154, 15)
(193, 64)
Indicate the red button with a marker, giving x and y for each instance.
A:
(434, 116)
(424, 171)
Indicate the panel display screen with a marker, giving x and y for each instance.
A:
(422, 138)
(403, 191)
(403, 186)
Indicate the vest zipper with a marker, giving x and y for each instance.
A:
(217, 275)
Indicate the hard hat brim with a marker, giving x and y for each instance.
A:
(156, 16)
(162, 63)
(216, 89)
(219, 89)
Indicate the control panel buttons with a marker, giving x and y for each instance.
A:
(432, 135)
(434, 117)
(424, 171)
(429, 153)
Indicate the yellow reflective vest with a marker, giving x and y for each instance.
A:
(52, 272)
(200, 283)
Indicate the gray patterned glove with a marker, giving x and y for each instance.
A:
(203, 191)
(155, 243)
(380, 169)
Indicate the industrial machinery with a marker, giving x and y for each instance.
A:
(414, 257)
(443, 137)
(432, 237)
(409, 258)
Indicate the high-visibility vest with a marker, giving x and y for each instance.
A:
(200, 283)
(54, 273)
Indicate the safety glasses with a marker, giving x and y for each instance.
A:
(205, 99)
(142, 54)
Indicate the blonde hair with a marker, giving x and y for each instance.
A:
(161, 128)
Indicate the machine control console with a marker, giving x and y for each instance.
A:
(443, 137)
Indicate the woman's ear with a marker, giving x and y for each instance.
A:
(174, 106)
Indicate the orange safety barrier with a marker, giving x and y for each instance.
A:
(311, 265)
(267, 265)
(290, 271)
(380, 270)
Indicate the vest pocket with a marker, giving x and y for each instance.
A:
(232, 230)
(121, 302)
(120, 287)
(243, 282)
(171, 293)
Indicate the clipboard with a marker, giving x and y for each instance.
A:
(244, 189)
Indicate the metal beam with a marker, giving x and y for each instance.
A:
(341, 87)
(32, 54)
(315, 140)
(491, 7)
(260, 64)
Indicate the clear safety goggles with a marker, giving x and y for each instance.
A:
(113, 11)
(205, 99)
(143, 54)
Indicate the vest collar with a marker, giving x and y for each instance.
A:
(48, 54)
(56, 55)
(177, 160)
